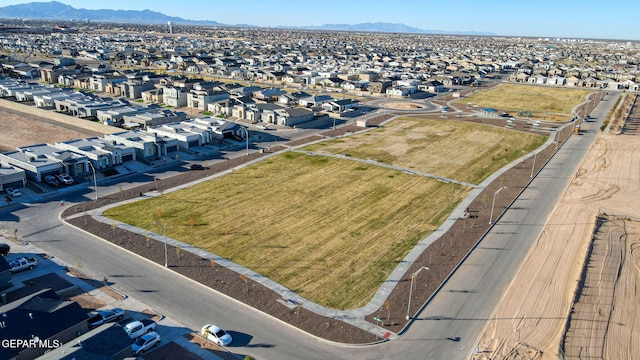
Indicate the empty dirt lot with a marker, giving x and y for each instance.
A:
(530, 322)
(19, 129)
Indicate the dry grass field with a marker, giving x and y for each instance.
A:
(329, 229)
(457, 150)
(514, 97)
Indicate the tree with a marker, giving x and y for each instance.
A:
(192, 222)
(387, 305)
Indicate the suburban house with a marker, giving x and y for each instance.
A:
(147, 145)
(12, 177)
(268, 94)
(133, 89)
(44, 159)
(187, 136)
(292, 116)
(340, 105)
(43, 316)
(238, 106)
(87, 106)
(113, 116)
(153, 117)
(433, 86)
(200, 99)
(379, 87)
(220, 128)
(315, 100)
(175, 96)
(292, 99)
(102, 153)
(107, 341)
(99, 82)
(153, 96)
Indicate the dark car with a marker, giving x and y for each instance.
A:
(196, 167)
(4, 249)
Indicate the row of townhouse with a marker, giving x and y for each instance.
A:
(574, 81)
(87, 105)
(80, 157)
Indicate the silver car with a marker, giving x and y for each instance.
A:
(145, 342)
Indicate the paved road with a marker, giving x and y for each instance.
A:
(448, 327)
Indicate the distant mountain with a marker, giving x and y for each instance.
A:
(384, 27)
(58, 11)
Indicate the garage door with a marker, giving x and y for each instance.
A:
(127, 157)
(15, 184)
(172, 149)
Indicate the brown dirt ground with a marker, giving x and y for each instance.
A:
(443, 255)
(19, 129)
(576, 292)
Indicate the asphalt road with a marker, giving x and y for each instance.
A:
(448, 328)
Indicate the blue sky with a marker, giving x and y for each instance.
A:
(615, 19)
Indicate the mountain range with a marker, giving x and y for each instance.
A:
(58, 11)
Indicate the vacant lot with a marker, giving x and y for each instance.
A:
(23, 129)
(457, 150)
(513, 97)
(329, 229)
(530, 320)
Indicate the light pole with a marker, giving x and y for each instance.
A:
(247, 137)
(493, 203)
(534, 163)
(164, 233)
(95, 181)
(413, 276)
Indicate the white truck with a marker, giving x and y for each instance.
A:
(137, 328)
(23, 263)
(100, 317)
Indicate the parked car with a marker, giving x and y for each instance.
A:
(65, 178)
(13, 192)
(49, 179)
(145, 342)
(4, 249)
(137, 328)
(196, 167)
(23, 263)
(100, 317)
(215, 334)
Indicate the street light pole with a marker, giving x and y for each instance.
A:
(95, 181)
(534, 163)
(493, 204)
(413, 276)
(247, 135)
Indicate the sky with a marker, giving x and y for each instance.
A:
(600, 19)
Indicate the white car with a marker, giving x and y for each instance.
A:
(145, 342)
(65, 178)
(13, 192)
(215, 334)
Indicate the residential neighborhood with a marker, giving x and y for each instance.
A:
(159, 94)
